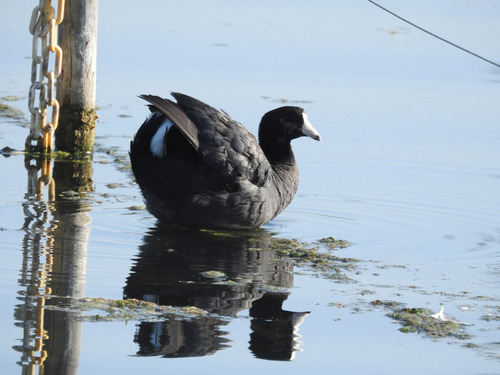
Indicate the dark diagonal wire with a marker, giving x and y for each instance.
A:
(434, 35)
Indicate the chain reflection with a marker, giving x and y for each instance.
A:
(54, 265)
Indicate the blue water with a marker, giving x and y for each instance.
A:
(407, 172)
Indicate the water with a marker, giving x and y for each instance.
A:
(407, 172)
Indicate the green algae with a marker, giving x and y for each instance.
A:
(314, 256)
(113, 155)
(10, 112)
(334, 243)
(220, 233)
(110, 310)
(420, 320)
(136, 208)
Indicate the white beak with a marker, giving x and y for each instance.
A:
(308, 129)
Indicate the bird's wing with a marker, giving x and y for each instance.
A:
(177, 116)
(226, 147)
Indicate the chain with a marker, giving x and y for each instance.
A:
(43, 27)
(36, 184)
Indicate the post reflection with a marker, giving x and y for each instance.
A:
(54, 265)
(172, 269)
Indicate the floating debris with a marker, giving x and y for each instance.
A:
(108, 310)
(334, 243)
(136, 208)
(441, 316)
(286, 101)
(10, 112)
(10, 98)
(491, 317)
(421, 320)
(213, 275)
(115, 185)
(314, 256)
(7, 151)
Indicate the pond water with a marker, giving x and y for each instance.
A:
(407, 172)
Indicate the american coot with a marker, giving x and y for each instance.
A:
(199, 168)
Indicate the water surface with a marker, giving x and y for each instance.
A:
(407, 172)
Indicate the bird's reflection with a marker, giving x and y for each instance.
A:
(174, 267)
(274, 330)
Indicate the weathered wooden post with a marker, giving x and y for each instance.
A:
(76, 86)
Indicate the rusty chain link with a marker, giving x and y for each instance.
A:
(43, 27)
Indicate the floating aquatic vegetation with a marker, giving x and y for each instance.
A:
(316, 256)
(10, 112)
(136, 208)
(334, 243)
(215, 275)
(101, 309)
(421, 320)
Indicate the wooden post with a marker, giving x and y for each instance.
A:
(76, 86)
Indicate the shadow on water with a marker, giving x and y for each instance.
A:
(54, 264)
(223, 274)
(220, 273)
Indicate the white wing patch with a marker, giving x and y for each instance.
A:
(158, 139)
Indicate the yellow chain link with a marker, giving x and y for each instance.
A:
(43, 27)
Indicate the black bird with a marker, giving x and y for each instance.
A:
(199, 168)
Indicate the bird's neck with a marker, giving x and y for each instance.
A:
(282, 161)
(279, 153)
(285, 174)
